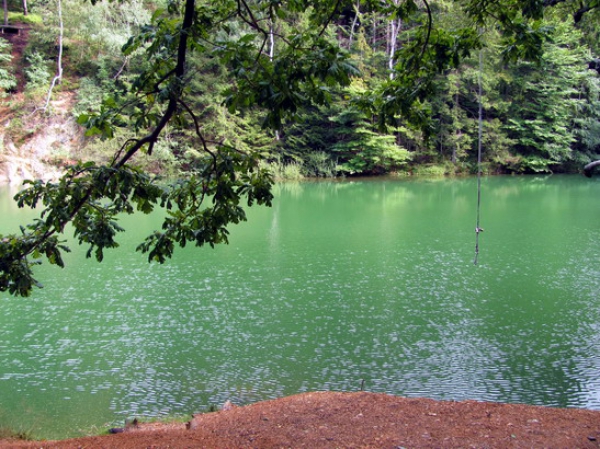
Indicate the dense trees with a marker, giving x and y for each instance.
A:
(551, 51)
(214, 89)
(7, 79)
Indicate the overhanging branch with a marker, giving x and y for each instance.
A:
(176, 91)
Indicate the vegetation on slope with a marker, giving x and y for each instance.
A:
(540, 115)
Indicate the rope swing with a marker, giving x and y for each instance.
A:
(478, 228)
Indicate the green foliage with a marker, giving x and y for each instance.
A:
(190, 218)
(7, 79)
(546, 97)
(283, 171)
(295, 79)
(37, 73)
(89, 97)
(431, 170)
(31, 19)
(91, 197)
(359, 147)
(523, 30)
(370, 152)
(16, 274)
(428, 52)
(320, 164)
(533, 111)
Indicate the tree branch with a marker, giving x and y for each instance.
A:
(330, 18)
(175, 94)
(577, 15)
(149, 139)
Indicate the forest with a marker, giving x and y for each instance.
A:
(539, 114)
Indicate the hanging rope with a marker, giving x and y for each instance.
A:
(478, 229)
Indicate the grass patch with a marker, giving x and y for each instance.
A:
(443, 169)
(9, 433)
(19, 17)
(118, 426)
(284, 171)
(430, 170)
(169, 419)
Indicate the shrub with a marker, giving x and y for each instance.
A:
(37, 74)
(7, 80)
(19, 17)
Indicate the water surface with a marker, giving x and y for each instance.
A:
(336, 284)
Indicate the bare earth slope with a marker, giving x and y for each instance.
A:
(360, 420)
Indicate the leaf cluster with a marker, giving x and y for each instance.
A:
(90, 198)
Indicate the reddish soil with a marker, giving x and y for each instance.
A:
(359, 420)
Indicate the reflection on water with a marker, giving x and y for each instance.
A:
(336, 284)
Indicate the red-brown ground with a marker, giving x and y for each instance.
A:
(359, 420)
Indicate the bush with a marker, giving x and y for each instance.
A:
(37, 74)
(430, 170)
(291, 171)
(319, 164)
(19, 17)
(7, 80)
(89, 97)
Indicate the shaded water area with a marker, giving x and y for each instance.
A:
(335, 285)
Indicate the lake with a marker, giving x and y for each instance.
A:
(338, 286)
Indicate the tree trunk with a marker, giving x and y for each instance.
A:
(589, 168)
(24, 7)
(457, 130)
(395, 25)
(354, 23)
(59, 70)
(271, 43)
(5, 4)
(271, 55)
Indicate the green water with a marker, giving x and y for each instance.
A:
(335, 284)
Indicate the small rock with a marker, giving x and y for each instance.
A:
(228, 406)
